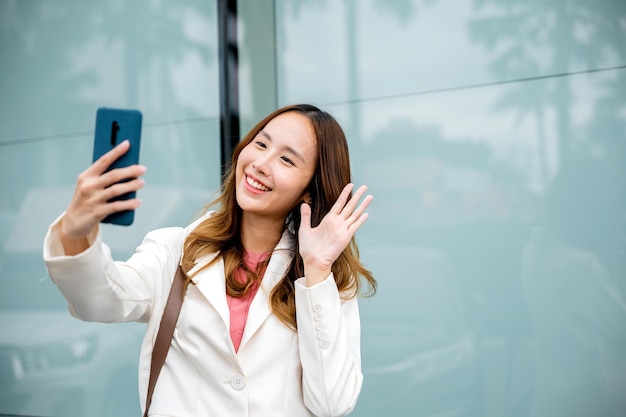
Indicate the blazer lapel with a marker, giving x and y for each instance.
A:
(260, 308)
(211, 283)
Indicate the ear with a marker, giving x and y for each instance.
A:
(306, 198)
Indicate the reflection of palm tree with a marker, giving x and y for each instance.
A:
(51, 37)
(534, 38)
(149, 36)
(156, 35)
(403, 10)
(607, 125)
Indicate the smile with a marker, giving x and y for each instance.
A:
(255, 184)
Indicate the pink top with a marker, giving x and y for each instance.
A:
(239, 306)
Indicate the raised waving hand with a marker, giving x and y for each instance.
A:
(320, 246)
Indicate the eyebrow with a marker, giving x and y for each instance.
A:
(287, 147)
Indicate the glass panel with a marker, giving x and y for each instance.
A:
(61, 61)
(488, 132)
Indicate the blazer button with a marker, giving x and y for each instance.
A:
(238, 382)
(324, 344)
(318, 317)
(317, 308)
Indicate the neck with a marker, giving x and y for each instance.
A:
(260, 234)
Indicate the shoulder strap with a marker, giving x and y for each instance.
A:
(166, 331)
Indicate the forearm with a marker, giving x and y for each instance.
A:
(329, 342)
(95, 287)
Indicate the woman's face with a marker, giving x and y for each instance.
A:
(273, 170)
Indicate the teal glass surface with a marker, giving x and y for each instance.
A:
(60, 61)
(491, 134)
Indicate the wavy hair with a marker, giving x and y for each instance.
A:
(220, 233)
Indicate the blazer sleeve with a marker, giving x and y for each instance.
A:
(329, 342)
(99, 289)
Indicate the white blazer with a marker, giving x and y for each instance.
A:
(315, 370)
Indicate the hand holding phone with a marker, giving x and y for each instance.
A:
(91, 201)
(113, 126)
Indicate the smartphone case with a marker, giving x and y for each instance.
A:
(113, 126)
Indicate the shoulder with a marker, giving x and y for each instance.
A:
(198, 221)
(171, 239)
(178, 232)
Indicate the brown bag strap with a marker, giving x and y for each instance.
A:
(166, 332)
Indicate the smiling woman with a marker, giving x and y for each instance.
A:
(280, 241)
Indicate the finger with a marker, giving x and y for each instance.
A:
(104, 209)
(342, 199)
(121, 174)
(305, 216)
(105, 161)
(361, 209)
(357, 224)
(354, 200)
(122, 205)
(121, 188)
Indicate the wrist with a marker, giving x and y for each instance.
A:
(314, 274)
(72, 245)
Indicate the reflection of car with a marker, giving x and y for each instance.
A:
(417, 351)
(54, 365)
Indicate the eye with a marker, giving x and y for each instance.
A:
(287, 160)
(260, 144)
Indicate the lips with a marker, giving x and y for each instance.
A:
(256, 184)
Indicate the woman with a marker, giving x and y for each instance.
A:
(280, 241)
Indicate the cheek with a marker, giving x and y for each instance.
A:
(299, 184)
(240, 164)
(245, 153)
(241, 158)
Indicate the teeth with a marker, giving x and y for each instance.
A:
(256, 185)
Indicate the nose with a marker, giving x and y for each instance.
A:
(261, 164)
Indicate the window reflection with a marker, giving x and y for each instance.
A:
(459, 116)
(574, 297)
(61, 60)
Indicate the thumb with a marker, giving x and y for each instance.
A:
(305, 216)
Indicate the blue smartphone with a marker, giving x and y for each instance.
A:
(113, 126)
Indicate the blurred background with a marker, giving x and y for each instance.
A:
(491, 133)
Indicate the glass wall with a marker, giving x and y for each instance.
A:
(491, 134)
(60, 61)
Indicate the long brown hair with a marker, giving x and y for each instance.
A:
(220, 233)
